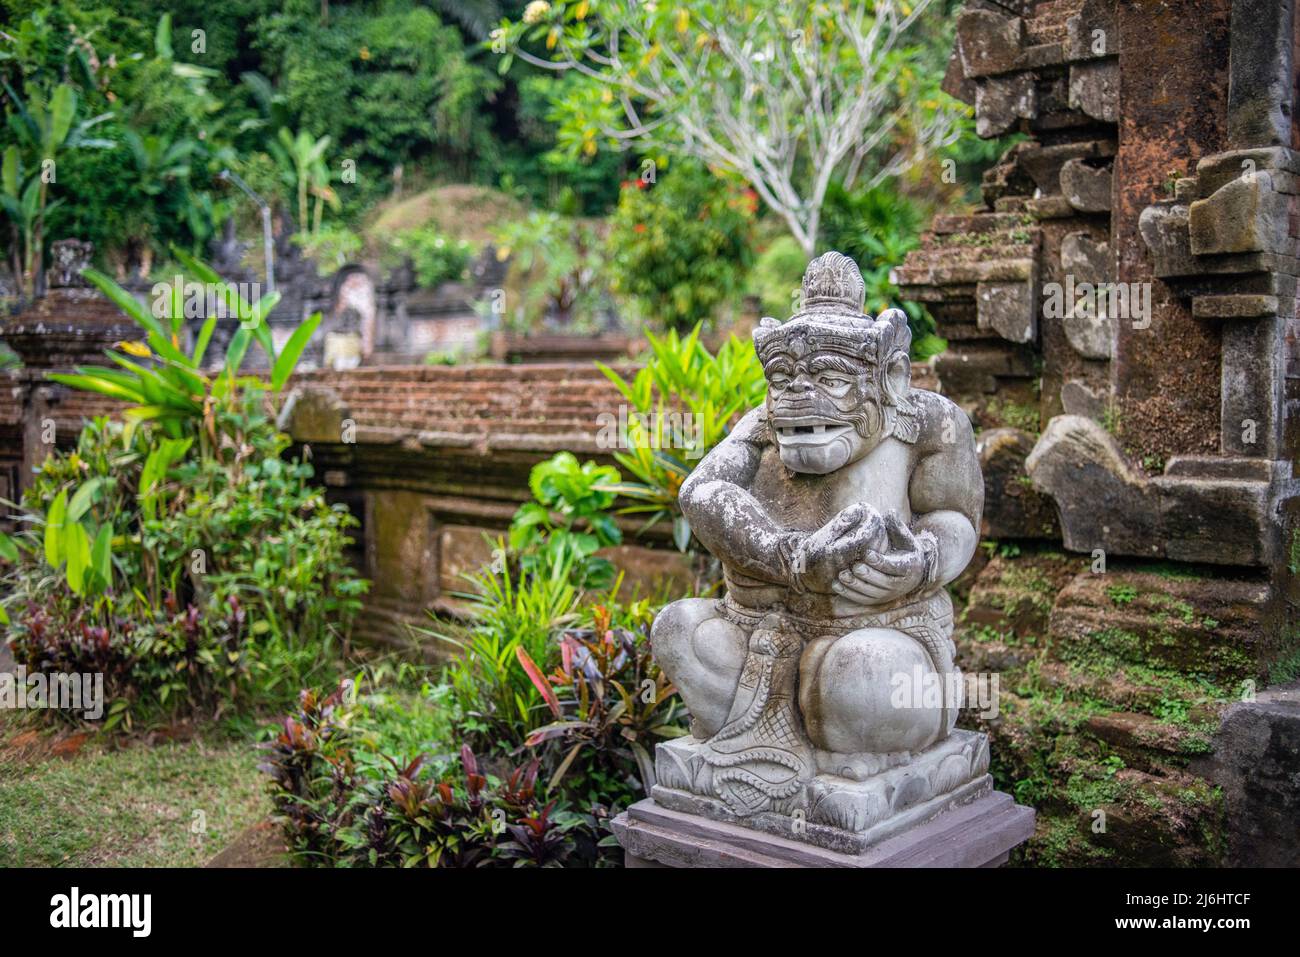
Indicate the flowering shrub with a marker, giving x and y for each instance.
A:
(680, 248)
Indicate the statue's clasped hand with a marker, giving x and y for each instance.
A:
(882, 577)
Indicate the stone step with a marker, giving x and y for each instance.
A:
(979, 834)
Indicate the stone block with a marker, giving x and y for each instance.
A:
(1009, 309)
(1094, 89)
(1090, 331)
(1001, 101)
(834, 811)
(1261, 74)
(1164, 229)
(1215, 171)
(313, 413)
(1242, 216)
(1087, 187)
(1251, 383)
(1101, 501)
(979, 834)
(1234, 306)
(988, 43)
(1045, 163)
(1104, 503)
(1091, 32)
(1085, 258)
(1079, 398)
(1257, 764)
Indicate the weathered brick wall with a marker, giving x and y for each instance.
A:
(433, 459)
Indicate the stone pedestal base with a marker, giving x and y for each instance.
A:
(834, 811)
(978, 834)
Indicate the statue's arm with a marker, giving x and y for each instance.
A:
(725, 517)
(947, 494)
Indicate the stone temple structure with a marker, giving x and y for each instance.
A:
(1122, 324)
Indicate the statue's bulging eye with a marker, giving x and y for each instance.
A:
(779, 381)
(833, 381)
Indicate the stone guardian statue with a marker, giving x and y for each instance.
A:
(822, 688)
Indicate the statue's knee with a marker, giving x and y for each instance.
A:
(674, 638)
(847, 693)
(703, 653)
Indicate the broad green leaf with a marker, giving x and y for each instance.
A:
(97, 384)
(101, 555)
(256, 321)
(62, 107)
(135, 309)
(83, 499)
(9, 178)
(196, 267)
(54, 529)
(162, 37)
(8, 548)
(288, 358)
(236, 351)
(77, 545)
(201, 344)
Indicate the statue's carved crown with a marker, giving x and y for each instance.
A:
(832, 283)
(831, 318)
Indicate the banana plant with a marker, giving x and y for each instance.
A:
(174, 390)
(42, 131)
(304, 156)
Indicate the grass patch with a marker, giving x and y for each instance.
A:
(131, 805)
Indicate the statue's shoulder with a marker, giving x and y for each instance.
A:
(940, 421)
(753, 427)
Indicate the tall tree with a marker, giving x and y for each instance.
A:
(791, 94)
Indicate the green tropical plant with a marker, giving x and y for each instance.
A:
(42, 132)
(680, 376)
(175, 392)
(611, 702)
(187, 582)
(178, 553)
(345, 796)
(568, 519)
(303, 157)
(435, 257)
(511, 614)
(555, 270)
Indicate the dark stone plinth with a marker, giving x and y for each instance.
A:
(1257, 763)
(979, 834)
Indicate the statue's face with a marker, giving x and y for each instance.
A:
(824, 408)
